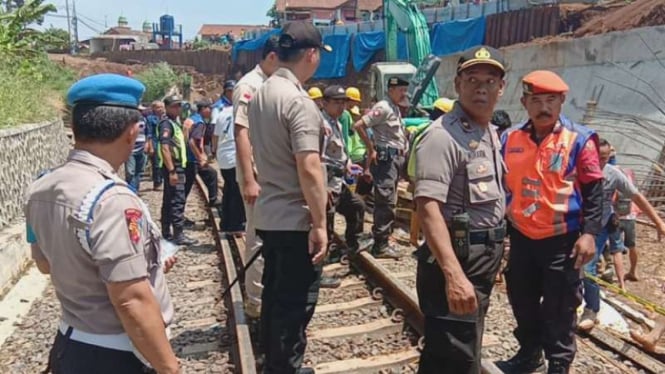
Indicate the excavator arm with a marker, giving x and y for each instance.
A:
(405, 17)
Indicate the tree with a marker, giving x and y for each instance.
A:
(274, 15)
(16, 37)
(55, 39)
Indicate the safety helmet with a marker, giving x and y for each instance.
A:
(355, 110)
(352, 93)
(444, 104)
(315, 93)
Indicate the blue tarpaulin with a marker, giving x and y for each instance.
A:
(365, 45)
(252, 45)
(459, 35)
(333, 64)
(402, 47)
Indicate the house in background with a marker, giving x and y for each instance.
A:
(121, 37)
(328, 12)
(214, 33)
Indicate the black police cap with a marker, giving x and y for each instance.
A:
(301, 35)
(172, 100)
(334, 92)
(481, 55)
(397, 82)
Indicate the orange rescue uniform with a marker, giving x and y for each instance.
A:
(543, 180)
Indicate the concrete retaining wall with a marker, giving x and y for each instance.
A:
(26, 150)
(622, 71)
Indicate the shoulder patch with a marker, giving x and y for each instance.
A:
(376, 113)
(133, 218)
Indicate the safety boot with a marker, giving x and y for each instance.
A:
(329, 282)
(558, 367)
(385, 251)
(523, 363)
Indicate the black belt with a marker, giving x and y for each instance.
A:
(493, 235)
(390, 150)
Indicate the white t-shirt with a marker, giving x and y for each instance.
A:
(226, 145)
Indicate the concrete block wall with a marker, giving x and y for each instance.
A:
(622, 71)
(24, 152)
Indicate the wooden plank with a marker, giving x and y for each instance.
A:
(383, 326)
(335, 267)
(200, 284)
(370, 364)
(355, 304)
(627, 350)
(348, 283)
(198, 348)
(198, 323)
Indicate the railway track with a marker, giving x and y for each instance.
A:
(372, 322)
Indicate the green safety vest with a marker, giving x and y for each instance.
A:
(179, 137)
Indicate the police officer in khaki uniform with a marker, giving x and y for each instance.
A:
(385, 159)
(95, 238)
(290, 212)
(338, 166)
(460, 202)
(245, 89)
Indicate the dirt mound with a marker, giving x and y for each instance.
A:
(85, 66)
(640, 13)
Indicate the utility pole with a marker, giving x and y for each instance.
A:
(69, 24)
(75, 29)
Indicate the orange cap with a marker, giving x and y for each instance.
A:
(542, 82)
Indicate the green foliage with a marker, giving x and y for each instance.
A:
(32, 87)
(158, 80)
(274, 15)
(55, 39)
(201, 44)
(16, 37)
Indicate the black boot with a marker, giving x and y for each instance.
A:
(385, 251)
(523, 363)
(558, 367)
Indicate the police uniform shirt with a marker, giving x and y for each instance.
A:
(334, 153)
(385, 121)
(166, 137)
(122, 246)
(455, 163)
(285, 121)
(243, 93)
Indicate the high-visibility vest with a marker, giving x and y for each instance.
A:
(180, 154)
(543, 197)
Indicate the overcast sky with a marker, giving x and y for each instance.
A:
(191, 14)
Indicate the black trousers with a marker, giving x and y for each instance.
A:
(543, 269)
(385, 175)
(233, 208)
(290, 292)
(452, 342)
(208, 175)
(352, 207)
(71, 357)
(173, 203)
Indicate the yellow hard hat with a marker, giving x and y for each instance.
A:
(352, 93)
(355, 110)
(315, 93)
(444, 104)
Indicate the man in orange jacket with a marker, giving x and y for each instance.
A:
(554, 205)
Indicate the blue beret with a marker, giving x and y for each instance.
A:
(107, 89)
